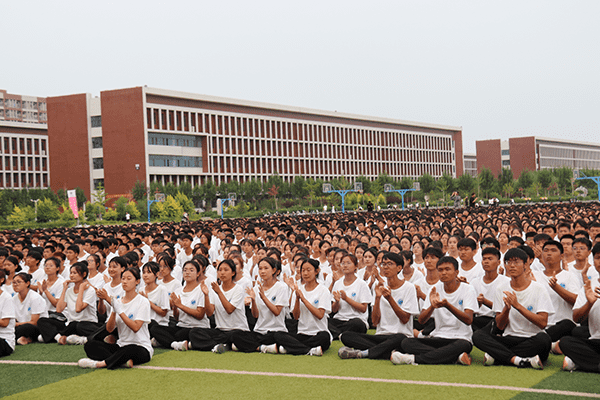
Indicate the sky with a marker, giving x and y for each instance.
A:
(496, 69)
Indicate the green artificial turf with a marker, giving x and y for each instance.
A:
(48, 381)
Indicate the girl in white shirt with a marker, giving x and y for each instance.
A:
(311, 309)
(157, 294)
(130, 316)
(11, 264)
(188, 305)
(7, 319)
(268, 299)
(29, 307)
(227, 304)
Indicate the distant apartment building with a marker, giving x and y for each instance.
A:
(24, 161)
(470, 164)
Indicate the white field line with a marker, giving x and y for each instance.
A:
(342, 378)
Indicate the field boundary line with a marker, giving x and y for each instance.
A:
(332, 377)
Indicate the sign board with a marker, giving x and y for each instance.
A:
(358, 186)
(388, 187)
(417, 185)
(327, 188)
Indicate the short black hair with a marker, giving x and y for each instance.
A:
(448, 260)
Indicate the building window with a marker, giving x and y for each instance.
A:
(506, 163)
(156, 160)
(97, 183)
(96, 143)
(98, 163)
(96, 121)
(505, 152)
(163, 139)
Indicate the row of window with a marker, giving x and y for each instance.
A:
(13, 145)
(23, 163)
(14, 103)
(23, 180)
(176, 120)
(158, 160)
(165, 139)
(580, 154)
(27, 115)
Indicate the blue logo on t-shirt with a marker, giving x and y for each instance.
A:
(316, 301)
(460, 302)
(53, 295)
(400, 301)
(193, 302)
(529, 308)
(273, 298)
(29, 309)
(130, 316)
(562, 285)
(354, 294)
(118, 296)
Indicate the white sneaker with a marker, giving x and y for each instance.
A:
(268, 349)
(555, 349)
(40, 339)
(536, 362)
(87, 363)
(76, 339)
(233, 347)
(220, 348)
(401, 358)
(488, 360)
(180, 346)
(282, 350)
(568, 364)
(464, 359)
(316, 351)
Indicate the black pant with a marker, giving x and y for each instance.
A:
(298, 344)
(504, 348)
(5, 349)
(585, 353)
(165, 335)
(379, 346)
(436, 350)
(27, 330)
(337, 326)
(481, 322)
(249, 342)
(50, 327)
(115, 355)
(204, 339)
(560, 329)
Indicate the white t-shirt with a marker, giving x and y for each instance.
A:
(38, 276)
(489, 292)
(389, 323)
(172, 286)
(8, 289)
(594, 315)
(137, 309)
(357, 291)
(562, 309)
(592, 274)
(7, 310)
(308, 324)
(235, 320)
(87, 314)
(32, 304)
(534, 298)
(278, 295)
(192, 299)
(476, 272)
(446, 324)
(160, 298)
(425, 288)
(416, 276)
(97, 281)
(55, 290)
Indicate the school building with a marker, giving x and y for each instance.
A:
(151, 134)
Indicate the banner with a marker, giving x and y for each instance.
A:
(73, 202)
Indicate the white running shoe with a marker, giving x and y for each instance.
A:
(87, 363)
(180, 346)
(268, 349)
(220, 348)
(40, 339)
(282, 350)
(536, 362)
(568, 364)
(316, 351)
(555, 349)
(76, 339)
(401, 358)
(234, 347)
(488, 360)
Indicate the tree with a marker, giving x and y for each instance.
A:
(466, 183)
(427, 183)
(21, 215)
(273, 192)
(170, 189)
(405, 183)
(366, 183)
(505, 176)
(563, 178)
(47, 211)
(299, 188)
(209, 192)
(526, 179)
(139, 191)
(486, 181)
(185, 202)
(544, 177)
(81, 199)
(251, 189)
(121, 207)
(185, 188)
(99, 195)
(507, 189)
(171, 209)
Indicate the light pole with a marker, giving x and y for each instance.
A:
(35, 202)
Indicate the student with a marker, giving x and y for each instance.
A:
(469, 268)
(113, 289)
(227, 304)
(269, 298)
(188, 305)
(11, 265)
(522, 307)
(351, 300)
(78, 304)
(582, 270)
(584, 354)
(32, 262)
(393, 309)
(451, 303)
(311, 307)
(52, 287)
(29, 307)
(167, 264)
(485, 287)
(7, 319)
(130, 316)
(156, 294)
(431, 257)
(562, 288)
(409, 273)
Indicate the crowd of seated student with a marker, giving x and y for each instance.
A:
(517, 282)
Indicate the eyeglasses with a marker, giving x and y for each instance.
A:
(514, 262)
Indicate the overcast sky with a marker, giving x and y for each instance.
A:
(496, 69)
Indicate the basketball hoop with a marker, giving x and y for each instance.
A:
(160, 197)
